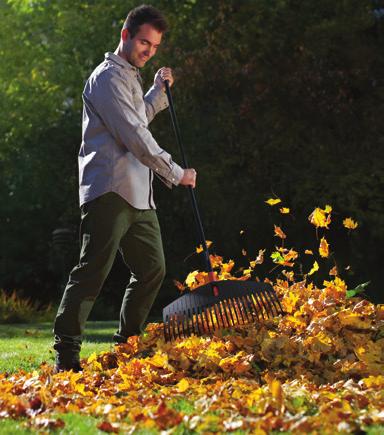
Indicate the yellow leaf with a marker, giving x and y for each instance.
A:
(273, 201)
(183, 385)
(314, 269)
(159, 360)
(91, 358)
(350, 223)
(277, 394)
(190, 280)
(200, 247)
(284, 210)
(324, 248)
(308, 252)
(320, 217)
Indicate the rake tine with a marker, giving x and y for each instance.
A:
(244, 309)
(218, 309)
(234, 307)
(205, 317)
(206, 313)
(204, 320)
(178, 326)
(259, 304)
(193, 321)
(267, 305)
(208, 310)
(181, 325)
(254, 304)
(250, 307)
(200, 316)
(230, 313)
(247, 309)
(172, 327)
(189, 320)
(268, 295)
(240, 308)
(274, 295)
(228, 323)
(250, 310)
(165, 329)
(217, 316)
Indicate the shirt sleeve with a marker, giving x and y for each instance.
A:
(155, 101)
(112, 98)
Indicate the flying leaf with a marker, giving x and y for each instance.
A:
(279, 232)
(350, 223)
(284, 210)
(308, 252)
(320, 217)
(259, 259)
(333, 271)
(273, 201)
(314, 269)
(200, 248)
(324, 248)
(179, 285)
(357, 290)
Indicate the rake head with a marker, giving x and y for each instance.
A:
(201, 312)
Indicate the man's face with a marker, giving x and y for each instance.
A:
(139, 49)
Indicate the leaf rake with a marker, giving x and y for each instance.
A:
(218, 304)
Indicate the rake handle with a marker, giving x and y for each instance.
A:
(191, 192)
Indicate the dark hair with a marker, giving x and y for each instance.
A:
(144, 14)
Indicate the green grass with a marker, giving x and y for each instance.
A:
(74, 424)
(26, 346)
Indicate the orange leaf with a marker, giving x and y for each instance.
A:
(324, 248)
(279, 232)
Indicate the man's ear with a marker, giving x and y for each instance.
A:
(125, 35)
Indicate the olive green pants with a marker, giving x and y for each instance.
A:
(109, 224)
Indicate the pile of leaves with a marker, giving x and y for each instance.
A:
(320, 367)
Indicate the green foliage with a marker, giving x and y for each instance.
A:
(15, 309)
(360, 289)
(280, 97)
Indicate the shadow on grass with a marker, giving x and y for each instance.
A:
(99, 332)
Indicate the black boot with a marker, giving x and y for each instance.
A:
(66, 361)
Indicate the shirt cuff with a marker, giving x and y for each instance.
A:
(158, 98)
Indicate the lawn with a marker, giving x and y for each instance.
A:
(26, 346)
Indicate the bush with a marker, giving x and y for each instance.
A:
(16, 309)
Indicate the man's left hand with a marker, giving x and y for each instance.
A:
(163, 74)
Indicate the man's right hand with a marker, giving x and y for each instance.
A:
(189, 178)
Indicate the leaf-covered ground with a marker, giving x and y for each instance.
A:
(319, 368)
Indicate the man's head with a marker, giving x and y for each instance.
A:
(141, 35)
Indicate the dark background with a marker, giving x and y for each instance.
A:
(274, 98)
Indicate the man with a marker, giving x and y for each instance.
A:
(117, 160)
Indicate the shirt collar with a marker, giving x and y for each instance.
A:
(120, 61)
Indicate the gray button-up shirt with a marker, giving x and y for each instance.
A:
(118, 153)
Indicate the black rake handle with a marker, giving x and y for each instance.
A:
(192, 195)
